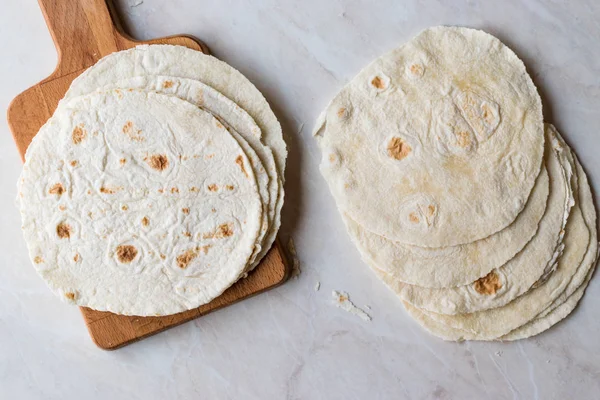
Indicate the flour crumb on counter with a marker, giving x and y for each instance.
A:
(295, 262)
(499, 353)
(317, 286)
(342, 300)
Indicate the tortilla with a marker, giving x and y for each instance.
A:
(126, 208)
(243, 129)
(437, 143)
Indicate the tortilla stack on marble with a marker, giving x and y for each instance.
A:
(156, 185)
(476, 214)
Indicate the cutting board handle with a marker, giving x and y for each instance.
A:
(82, 30)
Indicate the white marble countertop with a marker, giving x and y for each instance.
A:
(291, 342)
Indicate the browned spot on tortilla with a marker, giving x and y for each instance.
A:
(184, 158)
(213, 210)
(213, 187)
(70, 295)
(78, 134)
(124, 207)
(187, 234)
(145, 221)
(205, 248)
(193, 189)
(91, 215)
(167, 84)
(488, 114)
(341, 112)
(63, 230)
(240, 161)
(174, 190)
(430, 210)
(126, 253)
(122, 161)
(185, 210)
(62, 207)
(488, 285)
(162, 256)
(229, 187)
(38, 260)
(76, 257)
(463, 139)
(332, 158)
(184, 259)
(219, 125)
(106, 190)
(222, 231)
(161, 190)
(414, 218)
(57, 189)
(73, 163)
(378, 83)
(209, 156)
(132, 132)
(89, 191)
(398, 149)
(416, 69)
(159, 162)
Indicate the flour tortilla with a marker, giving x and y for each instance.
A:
(579, 256)
(452, 266)
(438, 143)
(118, 207)
(181, 62)
(242, 127)
(519, 274)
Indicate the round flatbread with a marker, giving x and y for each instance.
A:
(243, 129)
(437, 143)
(182, 62)
(138, 203)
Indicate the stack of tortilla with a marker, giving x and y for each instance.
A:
(470, 208)
(156, 184)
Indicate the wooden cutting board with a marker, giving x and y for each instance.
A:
(85, 31)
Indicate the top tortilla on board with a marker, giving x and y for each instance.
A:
(244, 130)
(138, 203)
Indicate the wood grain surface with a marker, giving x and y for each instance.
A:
(85, 31)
